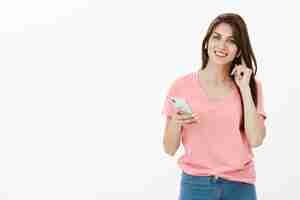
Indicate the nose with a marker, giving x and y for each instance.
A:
(221, 44)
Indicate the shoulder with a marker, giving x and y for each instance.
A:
(184, 80)
(259, 87)
(258, 83)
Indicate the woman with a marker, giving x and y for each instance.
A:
(228, 118)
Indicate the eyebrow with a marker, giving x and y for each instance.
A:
(231, 36)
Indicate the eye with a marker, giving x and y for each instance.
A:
(215, 37)
(232, 41)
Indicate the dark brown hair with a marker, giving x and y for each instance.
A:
(240, 34)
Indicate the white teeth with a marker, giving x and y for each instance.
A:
(220, 54)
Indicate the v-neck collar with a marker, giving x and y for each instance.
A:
(203, 92)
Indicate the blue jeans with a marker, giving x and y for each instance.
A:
(214, 188)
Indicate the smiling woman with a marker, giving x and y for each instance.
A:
(227, 118)
(219, 40)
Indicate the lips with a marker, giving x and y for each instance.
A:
(220, 53)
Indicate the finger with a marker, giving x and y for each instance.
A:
(246, 71)
(238, 74)
(249, 71)
(170, 100)
(233, 71)
(236, 70)
(180, 112)
(241, 73)
(190, 121)
(185, 117)
(188, 114)
(243, 61)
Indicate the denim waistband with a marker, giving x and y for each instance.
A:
(203, 179)
(214, 187)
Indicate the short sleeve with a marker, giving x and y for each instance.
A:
(168, 109)
(260, 100)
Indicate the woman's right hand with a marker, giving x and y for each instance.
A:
(182, 118)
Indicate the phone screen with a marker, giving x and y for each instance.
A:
(181, 104)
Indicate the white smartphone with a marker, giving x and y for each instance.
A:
(181, 104)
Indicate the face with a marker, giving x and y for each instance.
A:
(222, 48)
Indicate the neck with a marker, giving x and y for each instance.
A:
(216, 74)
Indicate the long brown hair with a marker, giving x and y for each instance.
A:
(240, 34)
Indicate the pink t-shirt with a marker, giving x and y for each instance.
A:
(215, 145)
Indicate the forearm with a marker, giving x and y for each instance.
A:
(254, 126)
(171, 139)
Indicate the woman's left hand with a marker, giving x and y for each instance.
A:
(242, 75)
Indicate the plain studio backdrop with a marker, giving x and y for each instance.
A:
(82, 85)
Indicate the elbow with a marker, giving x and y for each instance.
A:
(258, 141)
(169, 151)
(256, 144)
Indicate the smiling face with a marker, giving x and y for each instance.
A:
(222, 48)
